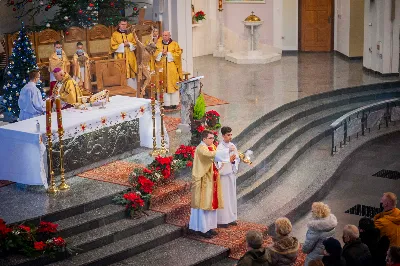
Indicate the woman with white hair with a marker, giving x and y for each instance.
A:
(321, 226)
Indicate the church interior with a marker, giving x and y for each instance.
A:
(199, 132)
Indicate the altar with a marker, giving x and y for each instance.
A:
(90, 136)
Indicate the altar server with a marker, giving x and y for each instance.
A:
(66, 88)
(30, 100)
(228, 168)
(206, 187)
(123, 45)
(81, 66)
(169, 55)
(58, 59)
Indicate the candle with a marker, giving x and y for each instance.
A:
(219, 4)
(48, 116)
(59, 117)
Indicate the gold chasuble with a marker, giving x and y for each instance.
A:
(173, 71)
(68, 90)
(55, 61)
(78, 63)
(206, 186)
(118, 38)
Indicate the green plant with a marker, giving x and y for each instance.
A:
(199, 109)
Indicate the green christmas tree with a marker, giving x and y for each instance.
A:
(20, 63)
(79, 13)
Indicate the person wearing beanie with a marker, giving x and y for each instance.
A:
(284, 248)
(332, 253)
(256, 255)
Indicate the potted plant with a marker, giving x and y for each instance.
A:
(198, 119)
(212, 119)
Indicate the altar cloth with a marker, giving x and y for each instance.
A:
(23, 157)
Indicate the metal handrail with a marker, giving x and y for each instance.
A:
(343, 120)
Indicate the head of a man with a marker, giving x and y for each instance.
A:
(34, 75)
(389, 201)
(123, 25)
(58, 74)
(393, 256)
(58, 47)
(79, 48)
(283, 226)
(166, 36)
(226, 134)
(155, 32)
(350, 233)
(254, 240)
(207, 137)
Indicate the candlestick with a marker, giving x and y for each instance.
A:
(52, 188)
(163, 150)
(154, 152)
(63, 185)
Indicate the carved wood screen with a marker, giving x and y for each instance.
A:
(45, 40)
(74, 35)
(99, 41)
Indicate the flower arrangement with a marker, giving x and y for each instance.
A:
(212, 120)
(32, 241)
(199, 15)
(144, 180)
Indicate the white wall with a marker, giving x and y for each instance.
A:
(342, 27)
(379, 28)
(290, 24)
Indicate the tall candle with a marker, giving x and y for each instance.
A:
(48, 116)
(219, 4)
(59, 117)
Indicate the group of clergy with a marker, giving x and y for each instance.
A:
(166, 61)
(213, 187)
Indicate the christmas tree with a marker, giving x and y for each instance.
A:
(20, 63)
(79, 13)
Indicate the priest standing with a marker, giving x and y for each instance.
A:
(66, 88)
(206, 187)
(58, 59)
(123, 45)
(30, 100)
(169, 55)
(227, 170)
(81, 66)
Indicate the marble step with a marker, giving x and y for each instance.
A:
(180, 252)
(315, 100)
(271, 125)
(125, 248)
(309, 179)
(267, 152)
(90, 220)
(115, 231)
(225, 262)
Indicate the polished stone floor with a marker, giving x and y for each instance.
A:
(356, 185)
(253, 90)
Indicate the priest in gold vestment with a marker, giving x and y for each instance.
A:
(123, 45)
(81, 68)
(58, 59)
(168, 54)
(66, 88)
(206, 187)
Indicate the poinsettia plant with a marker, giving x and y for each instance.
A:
(212, 120)
(199, 15)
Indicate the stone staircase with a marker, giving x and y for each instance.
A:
(286, 143)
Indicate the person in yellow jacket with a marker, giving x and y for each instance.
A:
(66, 88)
(388, 221)
(168, 54)
(123, 45)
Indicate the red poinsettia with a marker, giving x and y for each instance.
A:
(164, 160)
(212, 113)
(185, 153)
(47, 227)
(39, 246)
(135, 201)
(147, 171)
(200, 128)
(189, 164)
(200, 15)
(166, 172)
(25, 228)
(59, 241)
(4, 229)
(146, 185)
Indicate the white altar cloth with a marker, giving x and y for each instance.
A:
(23, 154)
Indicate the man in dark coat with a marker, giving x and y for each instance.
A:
(256, 254)
(355, 252)
(371, 237)
(333, 253)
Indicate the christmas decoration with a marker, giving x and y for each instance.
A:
(21, 62)
(79, 13)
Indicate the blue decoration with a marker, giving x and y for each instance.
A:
(21, 62)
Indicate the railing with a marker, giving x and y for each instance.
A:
(362, 119)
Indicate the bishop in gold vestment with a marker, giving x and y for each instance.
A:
(168, 55)
(206, 187)
(66, 88)
(123, 45)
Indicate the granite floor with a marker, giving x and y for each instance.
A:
(356, 184)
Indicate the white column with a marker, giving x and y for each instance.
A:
(184, 37)
(221, 51)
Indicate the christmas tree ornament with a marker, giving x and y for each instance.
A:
(41, 3)
(4, 101)
(66, 17)
(8, 73)
(48, 25)
(17, 75)
(13, 86)
(67, 33)
(10, 98)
